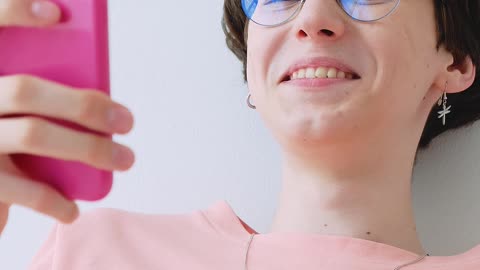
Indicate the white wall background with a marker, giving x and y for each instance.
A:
(196, 141)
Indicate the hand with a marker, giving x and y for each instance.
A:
(24, 94)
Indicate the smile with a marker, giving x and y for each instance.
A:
(319, 68)
(320, 72)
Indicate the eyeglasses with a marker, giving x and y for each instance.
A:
(277, 12)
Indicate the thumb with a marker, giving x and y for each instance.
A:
(4, 207)
(28, 13)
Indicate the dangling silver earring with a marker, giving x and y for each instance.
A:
(443, 101)
(250, 104)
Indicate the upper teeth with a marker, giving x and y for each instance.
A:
(321, 72)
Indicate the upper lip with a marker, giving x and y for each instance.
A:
(314, 62)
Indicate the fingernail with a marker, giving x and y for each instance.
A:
(44, 9)
(123, 157)
(120, 119)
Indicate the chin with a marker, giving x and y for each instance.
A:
(302, 128)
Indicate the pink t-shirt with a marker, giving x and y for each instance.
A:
(216, 238)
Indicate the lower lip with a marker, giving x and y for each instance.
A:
(324, 91)
(315, 84)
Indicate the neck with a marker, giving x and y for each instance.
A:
(367, 198)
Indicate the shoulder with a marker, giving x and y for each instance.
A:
(109, 223)
(105, 236)
(107, 216)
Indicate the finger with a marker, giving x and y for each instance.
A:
(28, 13)
(33, 135)
(86, 107)
(4, 208)
(37, 196)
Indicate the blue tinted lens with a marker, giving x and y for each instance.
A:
(270, 12)
(249, 7)
(276, 12)
(368, 10)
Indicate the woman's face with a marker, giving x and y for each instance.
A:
(395, 61)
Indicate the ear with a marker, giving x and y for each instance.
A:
(460, 76)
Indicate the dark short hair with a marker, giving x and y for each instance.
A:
(458, 29)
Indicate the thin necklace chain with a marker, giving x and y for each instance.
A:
(396, 268)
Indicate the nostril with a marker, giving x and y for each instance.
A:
(302, 33)
(327, 32)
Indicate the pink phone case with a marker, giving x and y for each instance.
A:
(73, 52)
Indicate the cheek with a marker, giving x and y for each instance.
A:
(403, 78)
(390, 52)
(260, 57)
(252, 73)
(404, 52)
(397, 53)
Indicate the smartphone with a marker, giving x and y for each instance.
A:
(73, 52)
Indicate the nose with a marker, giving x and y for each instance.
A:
(320, 20)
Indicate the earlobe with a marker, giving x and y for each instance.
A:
(461, 75)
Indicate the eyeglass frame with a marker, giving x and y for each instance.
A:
(302, 2)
